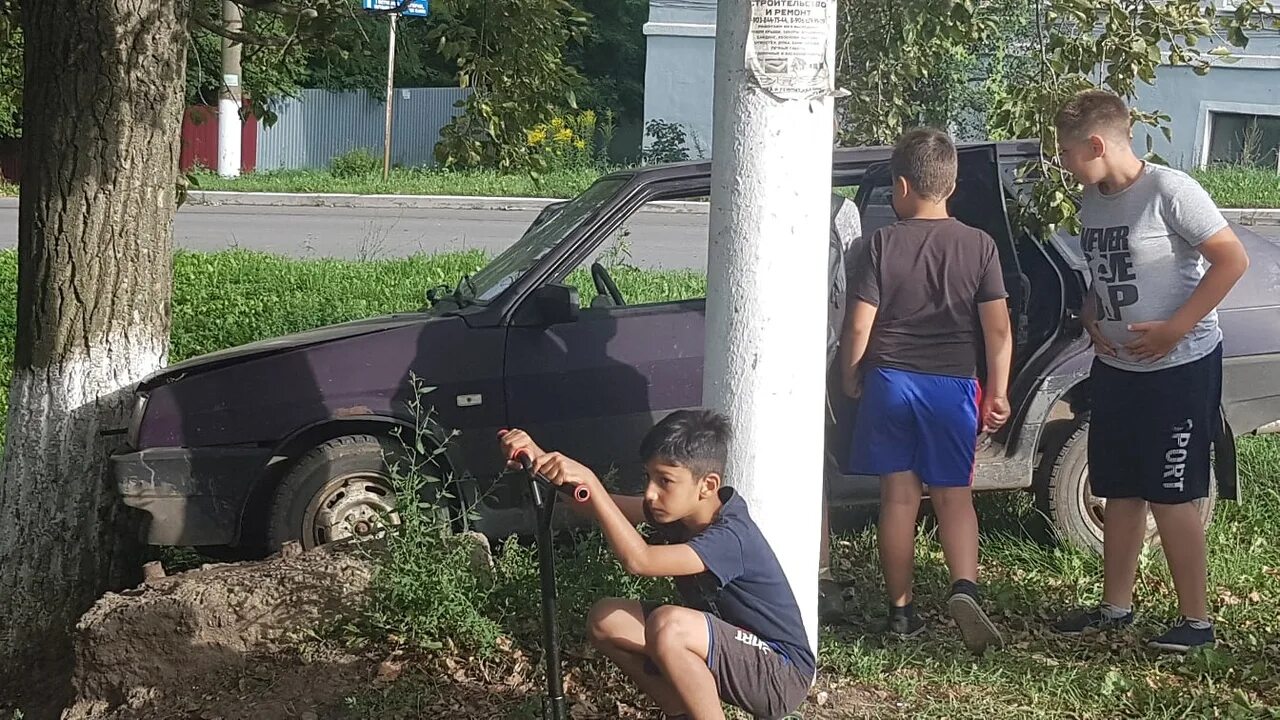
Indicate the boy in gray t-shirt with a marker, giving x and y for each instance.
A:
(1162, 258)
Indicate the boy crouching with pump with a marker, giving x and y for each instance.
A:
(738, 636)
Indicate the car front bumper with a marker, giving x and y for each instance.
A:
(194, 496)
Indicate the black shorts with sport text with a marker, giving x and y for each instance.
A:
(1150, 432)
(749, 674)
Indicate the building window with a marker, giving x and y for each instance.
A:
(1244, 139)
(1230, 6)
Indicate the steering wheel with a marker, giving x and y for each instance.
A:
(605, 285)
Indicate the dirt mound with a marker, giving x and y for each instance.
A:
(159, 644)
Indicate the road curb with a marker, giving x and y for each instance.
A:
(1244, 216)
(210, 198)
(1257, 216)
(207, 198)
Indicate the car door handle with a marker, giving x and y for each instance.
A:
(1071, 323)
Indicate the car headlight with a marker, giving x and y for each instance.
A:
(135, 422)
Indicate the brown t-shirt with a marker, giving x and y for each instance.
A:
(926, 278)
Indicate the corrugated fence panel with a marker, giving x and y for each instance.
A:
(315, 127)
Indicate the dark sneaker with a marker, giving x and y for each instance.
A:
(976, 629)
(830, 601)
(904, 625)
(1184, 636)
(1094, 620)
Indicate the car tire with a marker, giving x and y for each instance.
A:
(1063, 495)
(340, 490)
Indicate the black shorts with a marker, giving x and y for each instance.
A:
(1150, 432)
(748, 673)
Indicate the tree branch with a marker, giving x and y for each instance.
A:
(269, 6)
(279, 9)
(243, 38)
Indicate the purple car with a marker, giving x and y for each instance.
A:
(242, 450)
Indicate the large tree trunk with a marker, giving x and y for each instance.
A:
(103, 103)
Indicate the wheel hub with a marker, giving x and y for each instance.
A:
(354, 507)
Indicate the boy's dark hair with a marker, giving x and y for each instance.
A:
(926, 157)
(1093, 112)
(693, 439)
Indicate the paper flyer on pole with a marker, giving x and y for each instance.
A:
(791, 48)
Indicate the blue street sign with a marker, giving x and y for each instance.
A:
(417, 8)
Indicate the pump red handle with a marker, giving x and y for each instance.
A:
(580, 493)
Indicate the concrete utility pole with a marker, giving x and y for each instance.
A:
(229, 125)
(767, 281)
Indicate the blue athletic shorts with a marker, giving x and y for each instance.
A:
(916, 421)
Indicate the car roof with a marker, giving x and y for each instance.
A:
(841, 158)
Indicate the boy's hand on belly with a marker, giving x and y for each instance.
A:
(1155, 339)
(1101, 345)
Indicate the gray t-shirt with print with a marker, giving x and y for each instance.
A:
(1140, 244)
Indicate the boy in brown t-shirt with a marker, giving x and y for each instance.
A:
(923, 291)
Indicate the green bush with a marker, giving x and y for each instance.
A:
(355, 163)
(1235, 186)
(434, 589)
(428, 588)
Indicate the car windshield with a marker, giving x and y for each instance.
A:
(515, 261)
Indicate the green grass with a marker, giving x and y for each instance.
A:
(1230, 186)
(555, 184)
(1028, 581)
(1042, 676)
(1241, 187)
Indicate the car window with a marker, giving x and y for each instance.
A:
(1068, 245)
(516, 260)
(658, 255)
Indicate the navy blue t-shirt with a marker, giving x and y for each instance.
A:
(744, 584)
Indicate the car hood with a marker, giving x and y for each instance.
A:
(284, 343)
(1260, 286)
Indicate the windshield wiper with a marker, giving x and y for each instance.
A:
(436, 294)
(457, 293)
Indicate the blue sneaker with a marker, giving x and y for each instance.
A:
(1092, 620)
(1185, 635)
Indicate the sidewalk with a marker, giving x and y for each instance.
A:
(1245, 216)
(203, 198)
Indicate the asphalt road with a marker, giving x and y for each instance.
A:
(656, 239)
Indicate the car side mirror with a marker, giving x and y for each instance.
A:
(549, 305)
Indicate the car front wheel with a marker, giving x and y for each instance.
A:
(341, 490)
(1064, 495)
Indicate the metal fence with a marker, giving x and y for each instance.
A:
(320, 124)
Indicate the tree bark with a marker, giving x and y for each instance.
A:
(103, 103)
